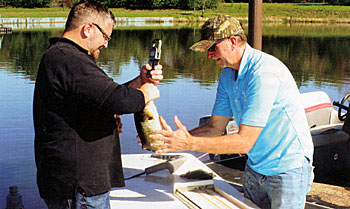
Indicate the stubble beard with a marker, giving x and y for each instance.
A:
(95, 53)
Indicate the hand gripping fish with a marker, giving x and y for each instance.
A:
(148, 120)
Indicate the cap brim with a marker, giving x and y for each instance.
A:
(202, 46)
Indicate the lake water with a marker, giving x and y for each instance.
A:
(317, 56)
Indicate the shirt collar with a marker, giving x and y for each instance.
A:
(247, 56)
(66, 40)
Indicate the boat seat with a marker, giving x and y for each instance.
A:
(319, 109)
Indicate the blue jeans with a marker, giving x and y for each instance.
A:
(81, 202)
(284, 190)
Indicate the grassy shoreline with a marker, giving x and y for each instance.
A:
(272, 12)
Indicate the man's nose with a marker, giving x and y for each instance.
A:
(105, 45)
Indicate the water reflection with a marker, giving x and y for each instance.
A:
(317, 63)
(323, 60)
(59, 22)
(319, 59)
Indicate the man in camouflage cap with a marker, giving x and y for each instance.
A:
(260, 93)
(216, 28)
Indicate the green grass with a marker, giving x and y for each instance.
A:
(307, 10)
(286, 10)
(281, 30)
(307, 30)
(37, 12)
(271, 12)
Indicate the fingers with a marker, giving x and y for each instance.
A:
(163, 137)
(178, 124)
(156, 68)
(163, 147)
(120, 128)
(159, 134)
(119, 123)
(169, 140)
(156, 74)
(164, 124)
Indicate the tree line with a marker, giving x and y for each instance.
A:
(153, 4)
(333, 2)
(130, 4)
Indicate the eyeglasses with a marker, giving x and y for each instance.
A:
(213, 47)
(103, 32)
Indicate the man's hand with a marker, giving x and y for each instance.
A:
(156, 74)
(181, 139)
(156, 77)
(119, 123)
(178, 140)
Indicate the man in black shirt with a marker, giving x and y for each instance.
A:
(77, 148)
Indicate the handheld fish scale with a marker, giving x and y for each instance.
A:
(154, 54)
(172, 163)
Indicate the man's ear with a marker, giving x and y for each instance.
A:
(86, 30)
(233, 41)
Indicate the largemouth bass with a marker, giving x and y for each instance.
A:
(146, 122)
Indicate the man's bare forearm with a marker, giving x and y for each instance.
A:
(215, 127)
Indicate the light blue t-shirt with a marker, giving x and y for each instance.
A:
(265, 95)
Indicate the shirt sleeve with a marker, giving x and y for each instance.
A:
(92, 86)
(260, 96)
(124, 100)
(222, 105)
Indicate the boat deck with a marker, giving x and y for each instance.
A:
(157, 190)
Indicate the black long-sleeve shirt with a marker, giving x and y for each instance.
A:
(77, 146)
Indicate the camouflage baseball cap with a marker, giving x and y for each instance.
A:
(216, 28)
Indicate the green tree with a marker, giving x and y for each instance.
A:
(28, 3)
(165, 3)
(340, 2)
(203, 4)
(198, 4)
(117, 3)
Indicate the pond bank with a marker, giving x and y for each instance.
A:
(59, 22)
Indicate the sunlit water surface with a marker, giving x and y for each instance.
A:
(188, 90)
